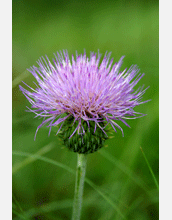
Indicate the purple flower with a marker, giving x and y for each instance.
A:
(86, 89)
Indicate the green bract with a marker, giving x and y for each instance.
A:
(85, 143)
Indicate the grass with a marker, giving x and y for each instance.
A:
(38, 157)
(152, 173)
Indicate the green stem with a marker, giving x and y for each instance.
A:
(79, 185)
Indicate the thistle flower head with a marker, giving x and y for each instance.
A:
(82, 96)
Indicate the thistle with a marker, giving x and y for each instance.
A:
(81, 96)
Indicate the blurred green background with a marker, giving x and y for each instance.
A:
(122, 179)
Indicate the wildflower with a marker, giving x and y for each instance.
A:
(82, 96)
